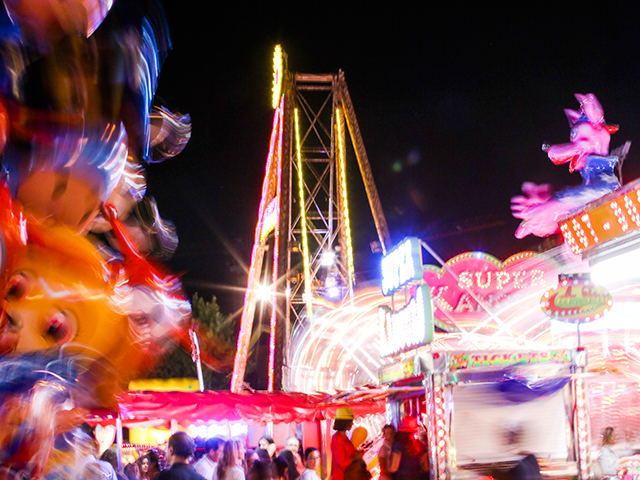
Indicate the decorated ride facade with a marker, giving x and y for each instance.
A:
(481, 383)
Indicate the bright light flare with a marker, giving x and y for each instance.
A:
(328, 258)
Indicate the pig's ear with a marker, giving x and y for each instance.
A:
(591, 107)
(572, 116)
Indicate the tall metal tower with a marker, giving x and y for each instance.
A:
(303, 217)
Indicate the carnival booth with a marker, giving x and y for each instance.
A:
(480, 410)
(485, 386)
(240, 415)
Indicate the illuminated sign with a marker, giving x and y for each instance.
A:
(402, 265)
(474, 276)
(409, 327)
(611, 216)
(270, 218)
(399, 371)
(462, 361)
(576, 300)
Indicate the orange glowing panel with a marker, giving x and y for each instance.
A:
(612, 216)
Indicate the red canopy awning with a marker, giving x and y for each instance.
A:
(146, 409)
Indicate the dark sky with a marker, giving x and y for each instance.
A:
(453, 103)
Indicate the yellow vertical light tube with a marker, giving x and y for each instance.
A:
(345, 204)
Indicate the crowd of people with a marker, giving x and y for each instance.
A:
(222, 460)
(401, 456)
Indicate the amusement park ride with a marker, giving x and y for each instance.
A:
(303, 217)
(491, 317)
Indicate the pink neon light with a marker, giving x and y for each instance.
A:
(244, 334)
(274, 270)
(489, 279)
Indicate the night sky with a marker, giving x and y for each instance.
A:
(453, 103)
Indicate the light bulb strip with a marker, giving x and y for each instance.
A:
(276, 252)
(345, 203)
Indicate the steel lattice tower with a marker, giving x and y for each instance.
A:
(303, 218)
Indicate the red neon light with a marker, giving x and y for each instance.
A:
(246, 323)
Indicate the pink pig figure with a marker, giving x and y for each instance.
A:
(589, 134)
(587, 153)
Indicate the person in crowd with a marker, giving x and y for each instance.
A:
(527, 467)
(384, 454)
(149, 465)
(179, 450)
(357, 470)
(293, 445)
(409, 457)
(269, 445)
(279, 469)
(250, 457)
(132, 471)
(231, 465)
(92, 467)
(154, 464)
(259, 470)
(342, 450)
(111, 457)
(311, 463)
(143, 467)
(292, 471)
(212, 453)
(608, 458)
(263, 455)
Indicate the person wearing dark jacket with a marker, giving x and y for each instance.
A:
(180, 449)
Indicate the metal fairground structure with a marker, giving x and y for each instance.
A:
(302, 239)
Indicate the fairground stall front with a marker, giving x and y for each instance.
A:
(247, 416)
(483, 393)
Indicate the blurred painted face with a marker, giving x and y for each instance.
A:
(313, 460)
(293, 444)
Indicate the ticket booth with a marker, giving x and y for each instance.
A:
(480, 411)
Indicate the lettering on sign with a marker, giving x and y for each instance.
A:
(408, 328)
(576, 300)
(402, 265)
(462, 361)
(476, 275)
(601, 221)
(399, 371)
(270, 218)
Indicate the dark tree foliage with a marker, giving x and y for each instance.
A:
(217, 334)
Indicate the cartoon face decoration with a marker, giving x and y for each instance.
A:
(57, 296)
